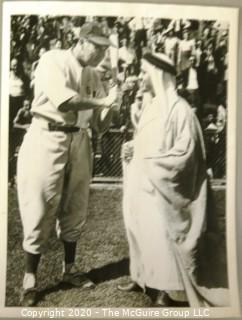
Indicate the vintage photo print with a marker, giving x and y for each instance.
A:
(118, 160)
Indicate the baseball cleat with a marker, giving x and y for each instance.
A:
(129, 287)
(77, 279)
(28, 297)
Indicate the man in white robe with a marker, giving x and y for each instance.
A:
(165, 194)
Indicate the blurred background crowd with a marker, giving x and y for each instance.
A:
(199, 50)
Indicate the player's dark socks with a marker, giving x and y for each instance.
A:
(31, 262)
(70, 252)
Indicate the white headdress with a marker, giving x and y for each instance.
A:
(162, 73)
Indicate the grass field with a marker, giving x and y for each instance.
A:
(102, 252)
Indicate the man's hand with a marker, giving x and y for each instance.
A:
(78, 103)
(127, 151)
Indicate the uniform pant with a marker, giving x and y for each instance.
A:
(53, 176)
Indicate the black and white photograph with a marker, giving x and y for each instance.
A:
(117, 123)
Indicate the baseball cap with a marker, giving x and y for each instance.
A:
(94, 33)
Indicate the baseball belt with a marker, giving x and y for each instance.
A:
(66, 129)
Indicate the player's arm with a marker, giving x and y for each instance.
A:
(78, 103)
(52, 79)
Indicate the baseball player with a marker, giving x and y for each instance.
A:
(54, 164)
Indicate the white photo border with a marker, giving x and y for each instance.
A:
(160, 10)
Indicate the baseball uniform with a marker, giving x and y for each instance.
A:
(54, 167)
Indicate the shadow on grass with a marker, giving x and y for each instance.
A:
(108, 272)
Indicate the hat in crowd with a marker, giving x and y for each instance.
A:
(93, 32)
(186, 26)
(160, 61)
(168, 29)
(157, 26)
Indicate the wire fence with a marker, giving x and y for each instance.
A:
(107, 162)
(107, 153)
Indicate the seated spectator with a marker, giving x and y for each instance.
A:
(18, 88)
(136, 109)
(58, 44)
(211, 79)
(210, 143)
(124, 112)
(76, 25)
(178, 25)
(114, 39)
(123, 28)
(221, 118)
(24, 116)
(52, 43)
(220, 57)
(126, 54)
(65, 26)
(220, 148)
(171, 43)
(185, 50)
(205, 37)
(68, 41)
(105, 74)
(198, 53)
(42, 50)
(21, 124)
(190, 83)
(138, 27)
(213, 39)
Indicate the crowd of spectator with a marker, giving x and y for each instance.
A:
(198, 49)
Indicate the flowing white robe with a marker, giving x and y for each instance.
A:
(164, 204)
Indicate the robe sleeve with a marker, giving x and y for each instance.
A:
(178, 169)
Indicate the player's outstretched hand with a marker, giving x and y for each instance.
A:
(127, 151)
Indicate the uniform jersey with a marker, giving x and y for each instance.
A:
(58, 77)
